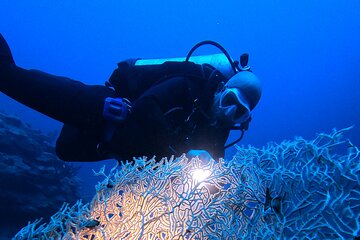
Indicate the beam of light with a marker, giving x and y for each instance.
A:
(200, 175)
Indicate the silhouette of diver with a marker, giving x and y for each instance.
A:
(163, 109)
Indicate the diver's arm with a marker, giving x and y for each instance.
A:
(172, 94)
(6, 58)
(152, 107)
(146, 132)
(60, 98)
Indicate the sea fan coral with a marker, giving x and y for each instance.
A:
(298, 189)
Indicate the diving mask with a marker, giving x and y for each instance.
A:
(233, 106)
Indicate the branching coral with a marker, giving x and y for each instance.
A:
(299, 189)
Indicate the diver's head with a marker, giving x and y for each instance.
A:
(237, 98)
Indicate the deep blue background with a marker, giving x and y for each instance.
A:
(306, 53)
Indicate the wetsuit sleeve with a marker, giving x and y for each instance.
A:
(169, 94)
(63, 99)
(146, 130)
(74, 103)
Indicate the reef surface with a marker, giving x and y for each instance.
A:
(299, 189)
(34, 183)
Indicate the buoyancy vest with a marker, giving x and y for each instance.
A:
(131, 81)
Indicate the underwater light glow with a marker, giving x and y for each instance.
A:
(200, 175)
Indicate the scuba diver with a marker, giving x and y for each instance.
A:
(148, 107)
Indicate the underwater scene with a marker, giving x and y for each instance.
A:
(179, 119)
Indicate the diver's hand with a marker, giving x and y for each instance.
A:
(6, 57)
(203, 155)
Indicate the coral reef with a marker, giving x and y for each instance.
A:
(295, 190)
(34, 182)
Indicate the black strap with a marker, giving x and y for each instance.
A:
(243, 127)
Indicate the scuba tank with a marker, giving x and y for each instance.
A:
(218, 61)
(133, 77)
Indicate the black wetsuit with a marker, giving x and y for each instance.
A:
(162, 123)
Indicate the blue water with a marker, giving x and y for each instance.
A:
(306, 53)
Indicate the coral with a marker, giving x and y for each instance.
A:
(34, 182)
(295, 190)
